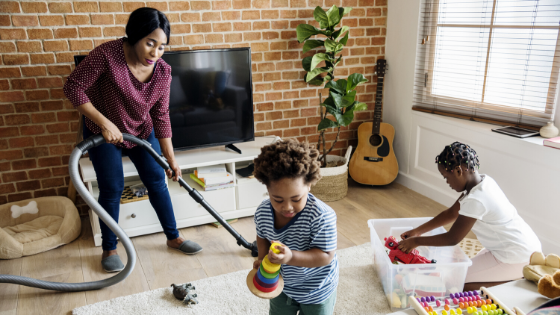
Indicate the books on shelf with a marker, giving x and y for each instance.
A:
(211, 171)
(215, 186)
(552, 142)
(216, 180)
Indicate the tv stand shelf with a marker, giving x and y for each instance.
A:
(139, 218)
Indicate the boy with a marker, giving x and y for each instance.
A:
(304, 225)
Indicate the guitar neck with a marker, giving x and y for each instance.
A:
(378, 107)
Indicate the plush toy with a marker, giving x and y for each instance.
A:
(539, 266)
(549, 286)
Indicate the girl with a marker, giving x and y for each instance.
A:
(484, 209)
(123, 86)
(303, 224)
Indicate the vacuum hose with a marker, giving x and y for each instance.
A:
(80, 149)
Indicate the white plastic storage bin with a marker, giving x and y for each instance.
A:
(399, 281)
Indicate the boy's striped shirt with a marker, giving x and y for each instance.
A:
(313, 227)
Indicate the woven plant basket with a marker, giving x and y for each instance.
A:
(333, 184)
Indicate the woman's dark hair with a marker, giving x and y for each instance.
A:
(287, 158)
(456, 154)
(143, 21)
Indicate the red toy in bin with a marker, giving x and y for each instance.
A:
(395, 254)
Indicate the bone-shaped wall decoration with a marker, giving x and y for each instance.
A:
(30, 208)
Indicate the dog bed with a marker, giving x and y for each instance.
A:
(37, 225)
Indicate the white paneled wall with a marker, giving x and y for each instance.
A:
(527, 172)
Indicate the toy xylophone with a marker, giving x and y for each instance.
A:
(472, 302)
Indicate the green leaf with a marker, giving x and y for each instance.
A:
(338, 116)
(330, 45)
(342, 101)
(311, 44)
(358, 106)
(325, 124)
(339, 86)
(341, 31)
(321, 17)
(337, 98)
(304, 31)
(317, 58)
(333, 16)
(343, 11)
(329, 102)
(315, 72)
(330, 109)
(306, 63)
(354, 80)
(346, 118)
(348, 99)
(344, 40)
(317, 81)
(333, 46)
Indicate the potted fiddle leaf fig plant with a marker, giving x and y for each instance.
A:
(341, 103)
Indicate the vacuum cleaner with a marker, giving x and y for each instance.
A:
(80, 149)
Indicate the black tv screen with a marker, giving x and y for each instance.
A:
(211, 100)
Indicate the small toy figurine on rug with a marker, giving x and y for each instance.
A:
(396, 255)
(183, 293)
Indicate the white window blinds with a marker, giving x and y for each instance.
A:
(489, 60)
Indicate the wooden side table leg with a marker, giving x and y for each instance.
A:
(72, 192)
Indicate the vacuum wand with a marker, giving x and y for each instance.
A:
(77, 153)
(194, 194)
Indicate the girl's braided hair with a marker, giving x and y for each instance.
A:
(456, 154)
(287, 158)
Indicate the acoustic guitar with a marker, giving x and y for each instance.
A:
(374, 161)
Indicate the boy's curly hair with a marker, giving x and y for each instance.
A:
(287, 158)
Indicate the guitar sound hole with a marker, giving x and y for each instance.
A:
(375, 140)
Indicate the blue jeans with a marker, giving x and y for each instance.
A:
(107, 163)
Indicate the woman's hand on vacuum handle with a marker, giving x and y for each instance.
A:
(173, 165)
(111, 133)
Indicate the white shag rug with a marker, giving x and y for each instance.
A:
(359, 292)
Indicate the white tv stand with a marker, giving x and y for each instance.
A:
(139, 218)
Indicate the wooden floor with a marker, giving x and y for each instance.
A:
(158, 267)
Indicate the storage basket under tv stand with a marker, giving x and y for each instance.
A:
(139, 218)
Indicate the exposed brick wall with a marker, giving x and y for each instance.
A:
(38, 40)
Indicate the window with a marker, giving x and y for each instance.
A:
(489, 60)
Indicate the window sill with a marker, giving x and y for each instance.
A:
(483, 128)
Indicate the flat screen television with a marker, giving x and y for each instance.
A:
(211, 100)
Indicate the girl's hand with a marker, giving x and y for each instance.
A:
(111, 133)
(257, 263)
(408, 244)
(173, 165)
(283, 257)
(411, 233)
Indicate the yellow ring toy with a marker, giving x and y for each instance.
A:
(270, 266)
(274, 249)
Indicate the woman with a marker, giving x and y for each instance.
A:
(123, 86)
